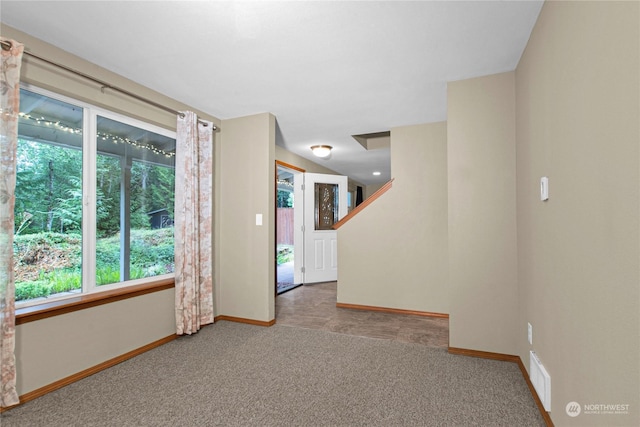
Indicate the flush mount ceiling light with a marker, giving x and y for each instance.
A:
(321, 150)
(377, 173)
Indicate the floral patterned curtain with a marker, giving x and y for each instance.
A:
(10, 107)
(193, 224)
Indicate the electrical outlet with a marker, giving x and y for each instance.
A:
(530, 333)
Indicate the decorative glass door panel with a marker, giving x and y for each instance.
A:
(326, 205)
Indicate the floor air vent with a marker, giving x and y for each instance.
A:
(541, 380)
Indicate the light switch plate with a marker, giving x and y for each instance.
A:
(258, 219)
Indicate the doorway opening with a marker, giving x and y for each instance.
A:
(289, 247)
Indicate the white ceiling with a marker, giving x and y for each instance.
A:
(326, 70)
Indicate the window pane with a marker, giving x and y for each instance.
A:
(135, 195)
(48, 209)
(108, 172)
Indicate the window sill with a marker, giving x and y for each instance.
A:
(81, 302)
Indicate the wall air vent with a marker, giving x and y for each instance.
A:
(541, 380)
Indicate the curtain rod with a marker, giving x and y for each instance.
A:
(6, 45)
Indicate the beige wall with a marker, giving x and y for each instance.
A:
(482, 213)
(246, 284)
(578, 123)
(51, 349)
(394, 253)
(370, 189)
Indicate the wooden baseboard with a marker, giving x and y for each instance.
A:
(484, 354)
(508, 358)
(392, 310)
(243, 320)
(88, 372)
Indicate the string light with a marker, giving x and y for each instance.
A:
(102, 135)
(285, 183)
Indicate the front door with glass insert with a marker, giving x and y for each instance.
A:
(325, 203)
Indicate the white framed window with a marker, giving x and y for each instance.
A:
(94, 199)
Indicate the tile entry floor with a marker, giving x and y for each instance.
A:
(314, 307)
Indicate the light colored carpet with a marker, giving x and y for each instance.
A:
(231, 374)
